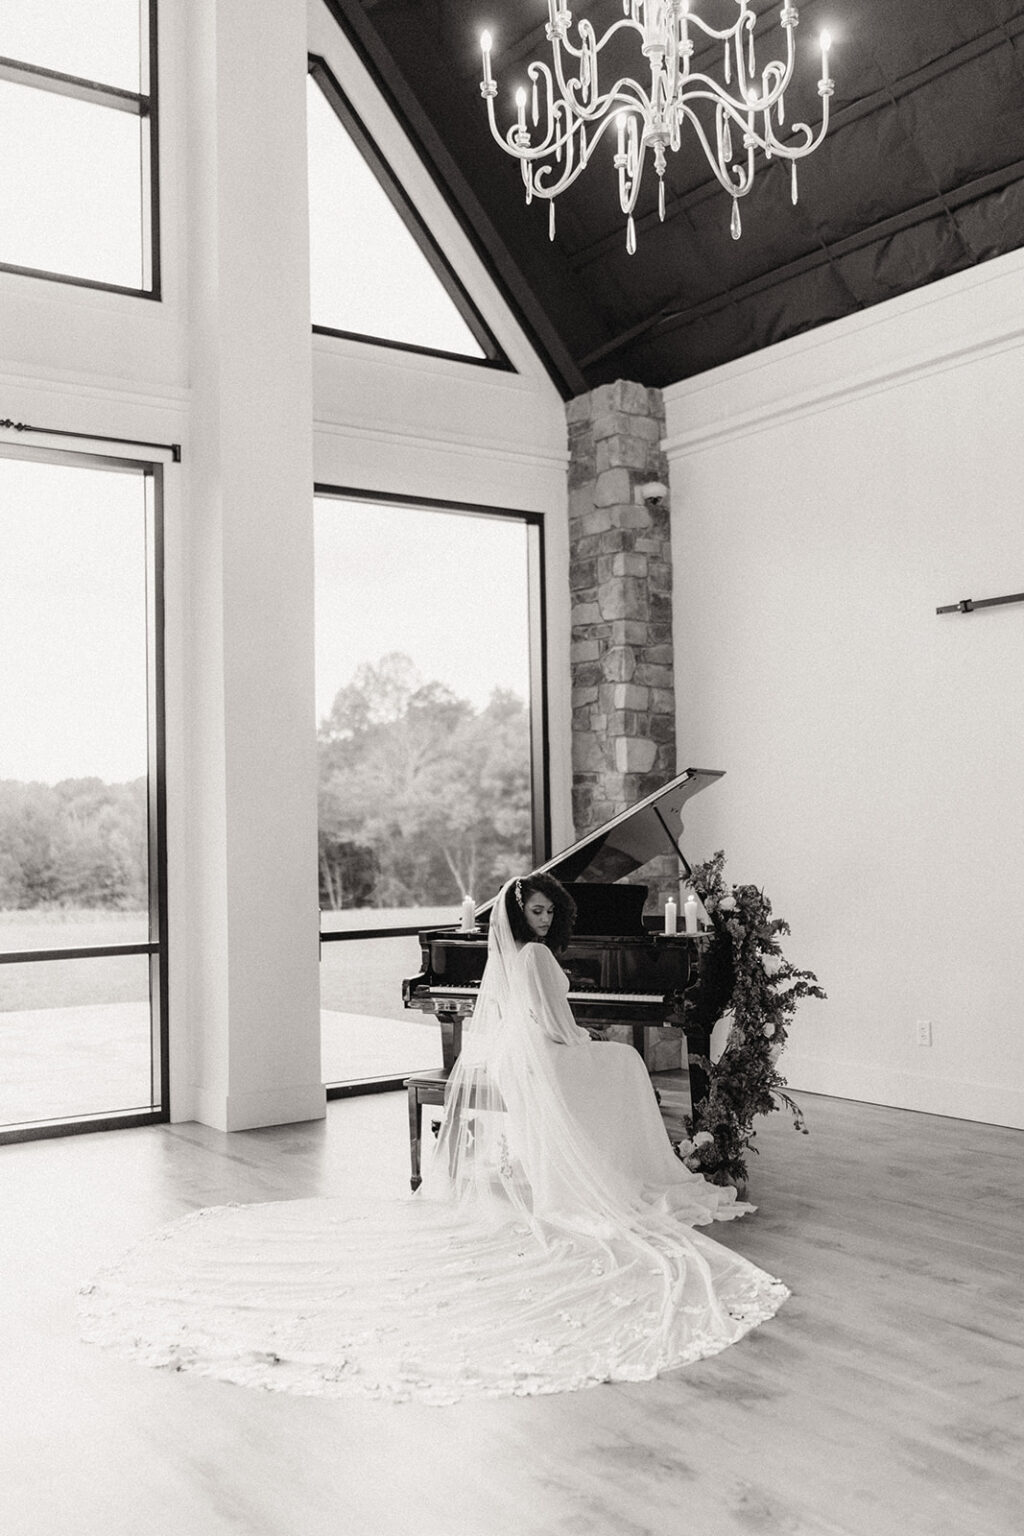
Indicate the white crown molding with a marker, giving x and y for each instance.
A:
(448, 442)
(94, 387)
(960, 320)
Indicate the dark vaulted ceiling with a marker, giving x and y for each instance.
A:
(921, 175)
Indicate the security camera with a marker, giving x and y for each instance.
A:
(654, 492)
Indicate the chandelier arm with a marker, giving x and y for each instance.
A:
(541, 187)
(516, 140)
(811, 139)
(705, 84)
(713, 33)
(721, 174)
(598, 43)
(601, 101)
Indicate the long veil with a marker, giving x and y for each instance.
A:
(509, 1134)
(472, 1162)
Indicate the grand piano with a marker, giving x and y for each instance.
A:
(623, 968)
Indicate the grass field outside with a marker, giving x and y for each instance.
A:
(75, 1034)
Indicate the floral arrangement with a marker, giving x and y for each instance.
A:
(745, 974)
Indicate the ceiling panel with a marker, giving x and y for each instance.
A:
(922, 175)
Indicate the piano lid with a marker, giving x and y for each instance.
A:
(651, 827)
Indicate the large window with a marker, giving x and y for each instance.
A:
(376, 272)
(82, 949)
(78, 141)
(431, 741)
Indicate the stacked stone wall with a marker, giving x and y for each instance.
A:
(620, 578)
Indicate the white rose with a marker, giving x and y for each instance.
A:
(703, 1139)
(727, 904)
(768, 1030)
(771, 964)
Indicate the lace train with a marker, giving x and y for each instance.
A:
(416, 1299)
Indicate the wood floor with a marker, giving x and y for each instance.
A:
(886, 1396)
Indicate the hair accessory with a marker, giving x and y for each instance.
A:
(519, 894)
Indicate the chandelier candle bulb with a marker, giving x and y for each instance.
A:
(485, 49)
(671, 916)
(468, 920)
(826, 43)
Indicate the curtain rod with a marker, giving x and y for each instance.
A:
(968, 604)
(174, 449)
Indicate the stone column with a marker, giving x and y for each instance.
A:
(620, 579)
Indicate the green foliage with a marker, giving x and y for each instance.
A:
(79, 843)
(748, 977)
(422, 797)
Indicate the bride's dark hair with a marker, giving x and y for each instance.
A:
(519, 893)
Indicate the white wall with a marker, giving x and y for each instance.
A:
(828, 494)
(226, 365)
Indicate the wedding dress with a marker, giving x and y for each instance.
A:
(550, 1248)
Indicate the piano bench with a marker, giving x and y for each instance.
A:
(424, 1088)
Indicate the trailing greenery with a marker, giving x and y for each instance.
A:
(745, 975)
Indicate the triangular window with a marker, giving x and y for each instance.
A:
(376, 271)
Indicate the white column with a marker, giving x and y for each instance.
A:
(247, 988)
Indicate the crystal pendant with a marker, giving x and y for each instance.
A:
(551, 220)
(661, 201)
(631, 236)
(536, 105)
(792, 182)
(782, 110)
(727, 140)
(734, 223)
(750, 52)
(728, 65)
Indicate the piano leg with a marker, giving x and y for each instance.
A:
(698, 1043)
(415, 1132)
(451, 1038)
(640, 1042)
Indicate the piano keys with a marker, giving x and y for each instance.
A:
(623, 969)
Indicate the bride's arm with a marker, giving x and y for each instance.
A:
(546, 1001)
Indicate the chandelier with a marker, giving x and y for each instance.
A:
(569, 113)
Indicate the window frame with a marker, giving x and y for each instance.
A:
(538, 710)
(494, 356)
(155, 947)
(143, 105)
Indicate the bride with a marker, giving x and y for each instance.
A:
(550, 1248)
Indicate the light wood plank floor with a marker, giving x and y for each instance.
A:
(886, 1396)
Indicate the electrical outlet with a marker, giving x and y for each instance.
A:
(924, 1031)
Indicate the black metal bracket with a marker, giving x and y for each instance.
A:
(968, 604)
